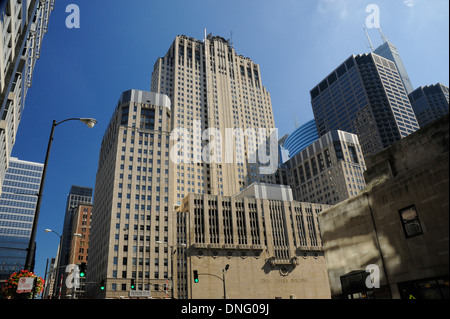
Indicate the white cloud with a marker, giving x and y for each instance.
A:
(409, 3)
(339, 7)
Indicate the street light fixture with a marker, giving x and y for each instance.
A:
(223, 276)
(173, 251)
(89, 122)
(60, 244)
(31, 245)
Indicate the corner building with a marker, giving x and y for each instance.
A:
(131, 200)
(271, 244)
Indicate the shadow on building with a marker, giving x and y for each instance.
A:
(399, 225)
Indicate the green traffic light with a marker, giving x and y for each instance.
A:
(102, 288)
(81, 274)
(196, 276)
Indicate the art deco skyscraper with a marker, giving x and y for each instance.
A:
(158, 149)
(131, 200)
(213, 87)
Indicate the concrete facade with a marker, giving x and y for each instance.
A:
(272, 248)
(131, 200)
(328, 171)
(399, 223)
(212, 87)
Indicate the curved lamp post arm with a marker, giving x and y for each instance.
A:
(31, 245)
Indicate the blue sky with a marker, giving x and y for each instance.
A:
(297, 43)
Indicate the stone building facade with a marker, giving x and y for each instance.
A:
(328, 171)
(264, 247)
(400, 223)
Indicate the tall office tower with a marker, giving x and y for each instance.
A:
(212, 87)
(365, 96)
(430, 103)
(77, 195)
(302, 137)
(17, 206)
(132, 216)
(22, 28)
(328, 171)
(389, 51)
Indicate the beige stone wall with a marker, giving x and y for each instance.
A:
(254, 278)
(368, 229)
(284, 260)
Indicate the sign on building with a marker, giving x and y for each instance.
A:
(139, 294)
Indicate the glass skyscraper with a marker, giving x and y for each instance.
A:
(365, 95)
(302, 137)
(17, 207)
(430, 103)
(389, 51)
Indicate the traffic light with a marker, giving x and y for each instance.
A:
(195, 276)
(133, 285)
(83, 270)
(102, 285)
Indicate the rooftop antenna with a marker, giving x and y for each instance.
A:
(204, 41)
(296, 122)
(368, 38)
(383, 37)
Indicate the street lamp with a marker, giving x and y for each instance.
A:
(60, 247)
(31, 245)
(172, 252)
(224, 287)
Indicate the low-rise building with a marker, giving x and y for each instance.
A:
(263, 246)
(399, 226)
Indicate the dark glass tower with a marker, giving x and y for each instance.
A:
(429, 103)
(365, 95)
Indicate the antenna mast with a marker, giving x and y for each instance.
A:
(368, 38)
(383, 37)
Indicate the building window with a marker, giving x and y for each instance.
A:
(410, 221)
